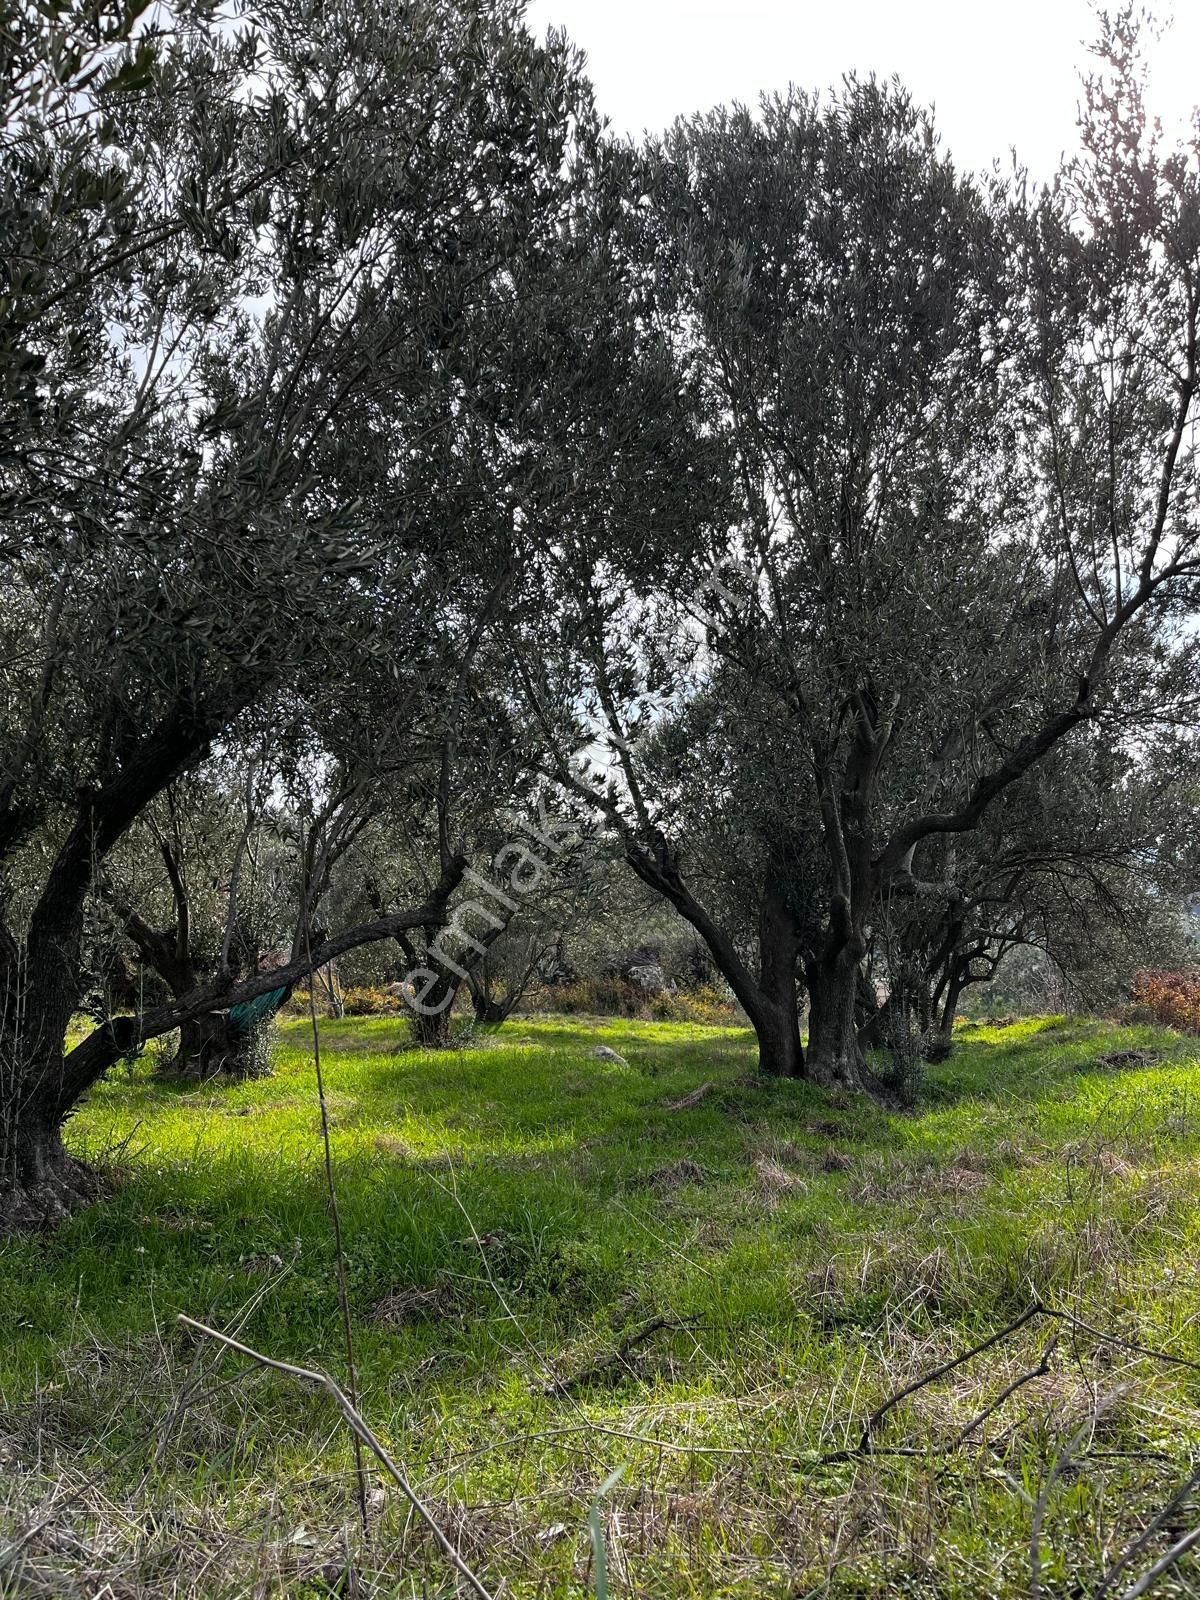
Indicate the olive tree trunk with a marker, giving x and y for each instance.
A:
(213, 1046)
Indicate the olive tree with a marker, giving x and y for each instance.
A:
(956, 424)
(253, 271)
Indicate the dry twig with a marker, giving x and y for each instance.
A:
(363, 1433)
(617, 1357)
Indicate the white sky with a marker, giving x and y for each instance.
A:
(999, 72)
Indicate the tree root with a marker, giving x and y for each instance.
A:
(65, 1186)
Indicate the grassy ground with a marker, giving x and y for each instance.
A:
(517, 1212)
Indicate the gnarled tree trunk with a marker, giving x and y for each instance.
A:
(835, 1056)
(210, 1046)
(776, 1012)
(41, 988)
(214, 1046)
(430, 1016)
(40, 1184)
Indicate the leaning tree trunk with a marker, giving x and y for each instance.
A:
(949, 1006)
(771, 1002)
(491, 1010)
(488, 1010)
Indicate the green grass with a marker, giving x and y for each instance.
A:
(810, 1255)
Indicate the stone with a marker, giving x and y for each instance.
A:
(649, 978)
(603, 1053)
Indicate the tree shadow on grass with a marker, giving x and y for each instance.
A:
(543, 1149)
(1039, 1056)
(542, 1155)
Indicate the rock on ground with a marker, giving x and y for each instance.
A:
(603, 1053)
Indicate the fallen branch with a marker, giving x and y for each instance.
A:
(893, 1400)
(1129, 1555)
(1040, 1371)
(191, 1394)
(1131, 1058)
(866, 1445)
(361, 1431)
(1180, 1548)
(617, 1357)
(1115, 1339)
(690, 1100)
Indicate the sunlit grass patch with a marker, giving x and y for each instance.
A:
(771, 1261)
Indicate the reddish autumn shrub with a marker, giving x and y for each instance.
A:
(1171, 998)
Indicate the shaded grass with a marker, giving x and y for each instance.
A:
(516, 1210)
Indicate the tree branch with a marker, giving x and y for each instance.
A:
(120, 1036)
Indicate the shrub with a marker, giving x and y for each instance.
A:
(364, 1001)
(706, 1004)
(1169, 998)
(608, 996)
(369, 1002)
(900, 1065)
(938, 1047)
(612, 996)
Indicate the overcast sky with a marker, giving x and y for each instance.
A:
(999, 74)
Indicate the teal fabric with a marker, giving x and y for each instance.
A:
(244, 1017)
